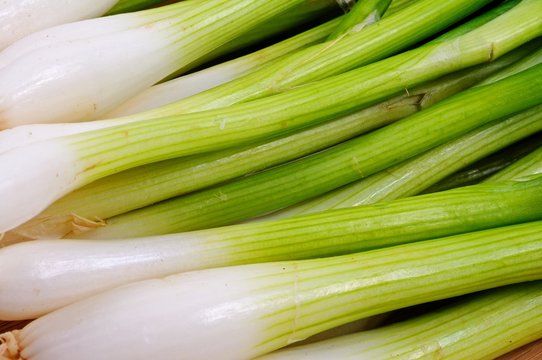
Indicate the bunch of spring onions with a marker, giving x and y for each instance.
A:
(220, 179)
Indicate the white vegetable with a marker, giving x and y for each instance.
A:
(246, 311)
(37, 277)
(44, 178)
(85, 69)
(19, 18)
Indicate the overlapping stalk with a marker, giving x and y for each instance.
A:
(417, 174)
(176, 89)
(276, 304)
(83, 158)
(406, 27)
(480, 326)
(488, 166)
(363, 14)
(334, 167)
(526, 167)
(147, 185)
(112, 59)
(65, 271)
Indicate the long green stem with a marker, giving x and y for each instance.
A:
(187, 134)
(173, 90)
(417, 174)
(481, 326)
(139, 187)
(334, 167)
(284, 302)
(395, 33)
(89, 156)
(364, 228)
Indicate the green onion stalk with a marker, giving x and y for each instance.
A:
(242, 312)
(479, 326)
(419, 173)
(113, 58)
(393, 34)
(70, 162)
(184, 86)
(299, 17)
(337, 166)
(37, 277)
(132, 189)
(404, 28)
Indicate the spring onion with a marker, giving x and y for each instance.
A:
(413, 23)
(40, 276)
(139, 187)
(67, 163)
(329, 169)
(417, 174)
(177, 89)
(109, 60)
(135, 188)
(397, 32)
(242, 312)
(480, 326)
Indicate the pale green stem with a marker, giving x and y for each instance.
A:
(333, 291)
(169, 137)
(480, 326)
(170, 91)
(417, 174)
(334, 167)
(149, 184)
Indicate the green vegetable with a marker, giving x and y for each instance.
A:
(480, 326)
(332, 168)
(247, 311)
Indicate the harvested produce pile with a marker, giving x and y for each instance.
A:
(219, 179)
